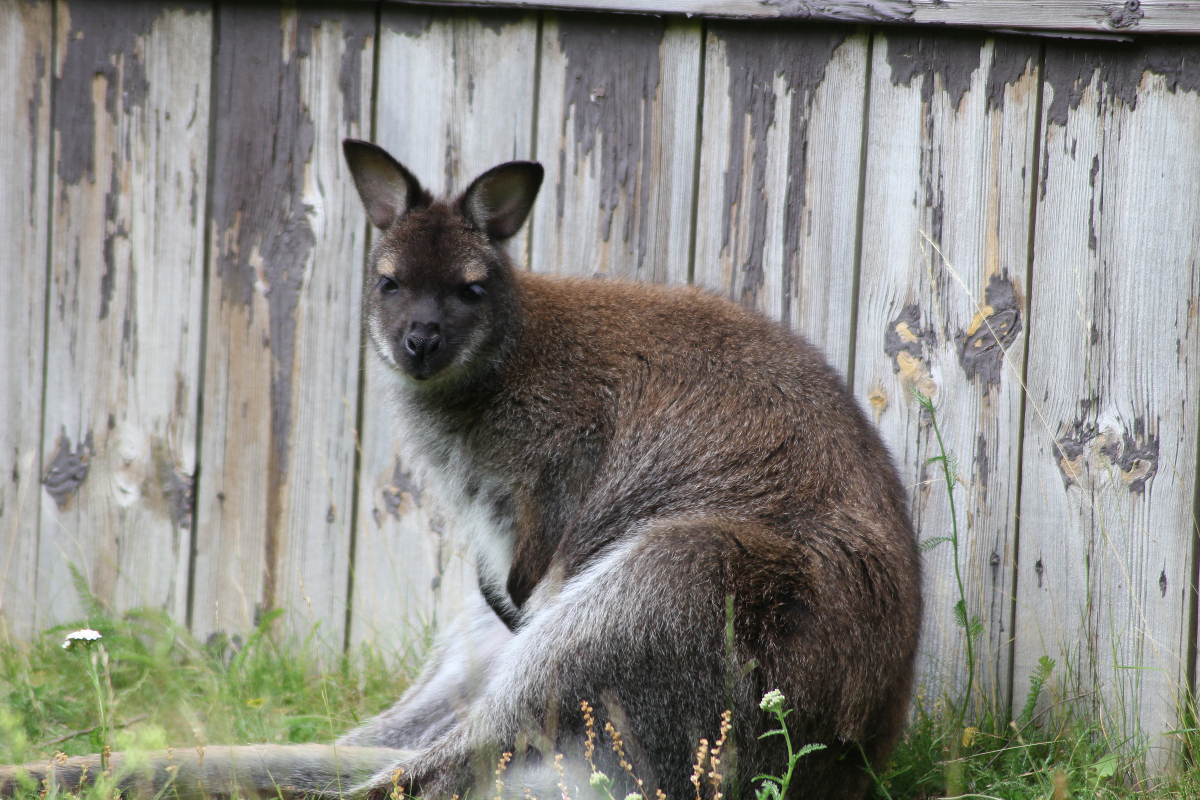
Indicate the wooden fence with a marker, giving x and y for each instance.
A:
(1009, 224)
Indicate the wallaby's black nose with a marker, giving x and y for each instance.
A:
(423, 341)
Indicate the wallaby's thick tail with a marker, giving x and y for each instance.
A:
(279, 771)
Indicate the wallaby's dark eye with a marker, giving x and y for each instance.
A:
(472, 292)
(388, 286)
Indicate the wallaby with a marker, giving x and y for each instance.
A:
(674, 504)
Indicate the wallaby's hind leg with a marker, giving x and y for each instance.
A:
(640, 633)
(266, 771)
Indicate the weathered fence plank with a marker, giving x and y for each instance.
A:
(950, 158)
(459, 100)
(25, 67)
(1102, 17)
(779, 174)
(1114, 376)
(123, 349)
(281, 379)
(617, 114)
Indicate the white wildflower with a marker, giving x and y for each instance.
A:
(772, 701)
(600, 782)
(85, 635)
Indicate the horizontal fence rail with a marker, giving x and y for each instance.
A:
(1006, 224)
(1105, 18)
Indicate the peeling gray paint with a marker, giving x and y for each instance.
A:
(1118, 69)
(951, 61)
(952, 57)
(613, 71)
(1012, 57)
(981, 351)
(904, 334)
(844, 10)
(356, 29)
(1135, 454)
(496, 20)
(983, 467)
(402, 484)
(1070, 447)
(129, 339)
(102, 41)
(406, 21)
(35, 108)
(560, 195)
(1092, 210)
(1088, 455)
(449, 160)
(350, 72)
(113, 229)
(178, 488)
(68, 469)
(755, 54)
(935, 196)
(264, 138)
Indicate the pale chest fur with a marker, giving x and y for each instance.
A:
(473, 505)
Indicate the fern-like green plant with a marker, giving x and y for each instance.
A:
(1037, 680)
(775, 787)
(972, 627)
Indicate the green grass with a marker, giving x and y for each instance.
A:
(1023, 762)
(161, 688)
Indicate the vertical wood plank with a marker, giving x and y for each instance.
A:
(123, 350)
(456, 98)
(281, 382)
(25, 66)
(1114, 377)
(949, 163)
(617, 116)
(779, 174)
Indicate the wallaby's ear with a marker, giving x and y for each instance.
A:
(499, 200)
(387, 189)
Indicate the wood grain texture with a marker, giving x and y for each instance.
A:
(457, 100)
(950, 159)
(779, 174)
(1114, 376)
(25, 68)
(123, 349)
(617, 115)
(1099, 16)
(281, 381)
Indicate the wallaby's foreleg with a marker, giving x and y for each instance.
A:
(279, 771)
(452, 679)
